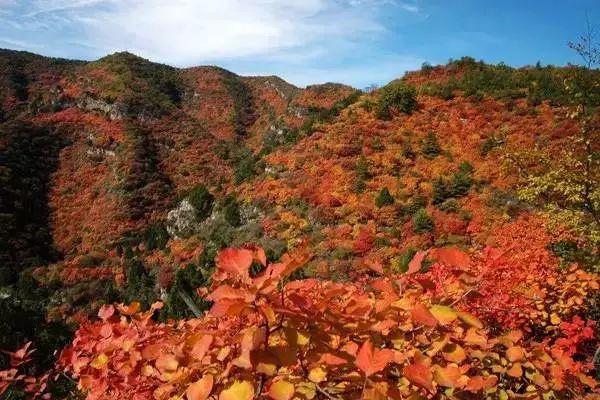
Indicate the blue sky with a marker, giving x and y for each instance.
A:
(357, 42)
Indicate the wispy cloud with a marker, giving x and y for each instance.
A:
(189, 31)
(289, 33)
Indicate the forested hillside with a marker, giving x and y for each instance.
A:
(190, 233)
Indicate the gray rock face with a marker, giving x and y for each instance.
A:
(113, 111)
(296, 111)
(182, 221)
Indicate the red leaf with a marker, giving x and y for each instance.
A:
(371, 360)
(332, 359)
(419, 374)
(106, 311)
(451, 256)
(422, 316)
(415, 264)
(235, 261)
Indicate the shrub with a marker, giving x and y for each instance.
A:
(398, 95)
(324, 115)
(422, 222)
(231, 210)
(440, 191)
(431, 147)
(407, 151)
(342, 253)
(362, 168)
(202, 201)
(459, 185)
(384, 198)
(156, 237)
(183, 289)
(507, 202)
(490, 144)
(362, 174)
(450, 205)
(414, 205)
(140, 284)
(461, 181)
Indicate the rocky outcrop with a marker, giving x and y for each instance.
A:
(114, 111)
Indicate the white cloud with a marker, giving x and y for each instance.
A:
(305, 41)
(187, 32)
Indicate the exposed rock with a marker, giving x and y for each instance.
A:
(182, 221)
(114, 111)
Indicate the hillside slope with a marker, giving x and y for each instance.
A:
(123, 180)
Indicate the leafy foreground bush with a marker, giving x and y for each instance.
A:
(395, 336)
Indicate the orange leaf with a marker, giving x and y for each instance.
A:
(451, 256)
(474, 338)
(422, 316)
(447, 376)
(235, 261)
(201, 347)
(515, 371)
(478, 383)
(332, 359)
(252, 339)
(415, 264)
(454, 353)
(131, 309)
(371, 360)
(167, 363)
(515, 353)
(419, 374)
(200, 390)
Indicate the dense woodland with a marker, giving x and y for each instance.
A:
(194, 234)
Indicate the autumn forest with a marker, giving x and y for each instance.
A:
(191, 233)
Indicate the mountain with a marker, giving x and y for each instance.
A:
(123, 179)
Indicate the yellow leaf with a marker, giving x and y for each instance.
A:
(444, 314)
(555, 319)
(470, 319)
(281, 390)
(307, 390)
(239, 390)
(265, 363)
(474, 338)
(454, 353)
(100, 361)
(317, 375)
(302, 338)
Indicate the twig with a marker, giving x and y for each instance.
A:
(261, 383)
(465, 294)
(189, 303)
(324, 393)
